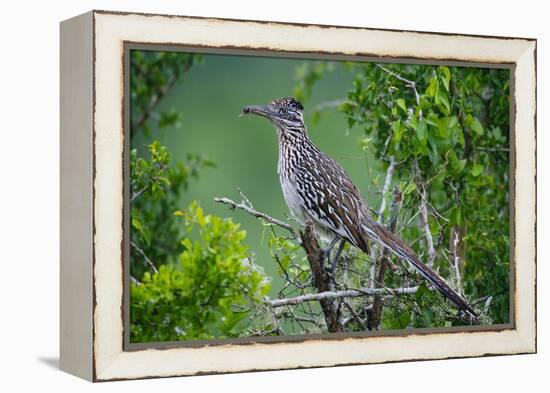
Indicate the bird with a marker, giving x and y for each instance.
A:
(317, 189)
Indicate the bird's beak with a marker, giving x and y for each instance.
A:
(260, 110)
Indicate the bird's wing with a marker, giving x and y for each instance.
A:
(331, 198)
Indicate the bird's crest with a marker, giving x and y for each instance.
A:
(288, 102)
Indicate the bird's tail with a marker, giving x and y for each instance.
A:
(388, 239)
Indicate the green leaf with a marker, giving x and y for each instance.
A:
(457, 216)
(442, 100)
(421, 291)
(432, 85)
(401, 103)
(446, 77)
(458, 165)
(404, 319)
(136, 223)
(398, 130)
(422, 131)
(476, 127)
(410, 188)
(428, 316)
(477, 169)
(433, 154)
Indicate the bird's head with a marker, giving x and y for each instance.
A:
(285, 113)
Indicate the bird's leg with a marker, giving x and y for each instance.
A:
(326, 251)
(337, 256)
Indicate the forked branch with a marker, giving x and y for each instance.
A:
(247, 207)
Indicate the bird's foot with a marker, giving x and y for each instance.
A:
(334, 262)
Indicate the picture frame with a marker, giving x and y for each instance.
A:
(94, 210)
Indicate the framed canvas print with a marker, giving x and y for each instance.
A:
(245, 195)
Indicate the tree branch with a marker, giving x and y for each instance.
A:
(353, 313)
(387, 182)
(455, 263)
(137, 194)
(424, 214)
(148, 262)
(247, 207)
(386, 187)
(409, 83)
(162, 91)
(321, 279)
(375, 313)
(349, 293)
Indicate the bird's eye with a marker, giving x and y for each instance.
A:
(283, 112)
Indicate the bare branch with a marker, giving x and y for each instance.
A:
(148, 262)
(247, 207)
(487, 304)
(137, 194)
(424, 214)
(353, 313)
(287, 277)
(135, 281)
(387, 182)
(456, 259)
(347, 319)
(376, 250)
(299, 318)
(409, 83)
(493, 149)
(349, 293)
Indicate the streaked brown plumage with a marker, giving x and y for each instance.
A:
(317, 188)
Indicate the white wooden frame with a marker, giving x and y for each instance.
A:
(92, 87)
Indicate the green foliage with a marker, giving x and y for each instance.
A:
(152, 75)
(197, 298)
(193, 277)
(157, 184)
(452, 121)
(307, 74)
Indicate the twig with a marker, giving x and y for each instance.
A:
(299, 318)
(349, 293)
(137, 194)
(456, 260)
(424, 214)
(155, 98)
(493, 149)
(387, 182)
(287, 276)
(247, 207)
(134, 281)
(148, 262)
(487, 304)
(347, 319)
(409, 83)
(354, 314)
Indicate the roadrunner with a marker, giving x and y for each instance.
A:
(317, 189)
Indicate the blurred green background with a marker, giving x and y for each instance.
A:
(244, 149)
